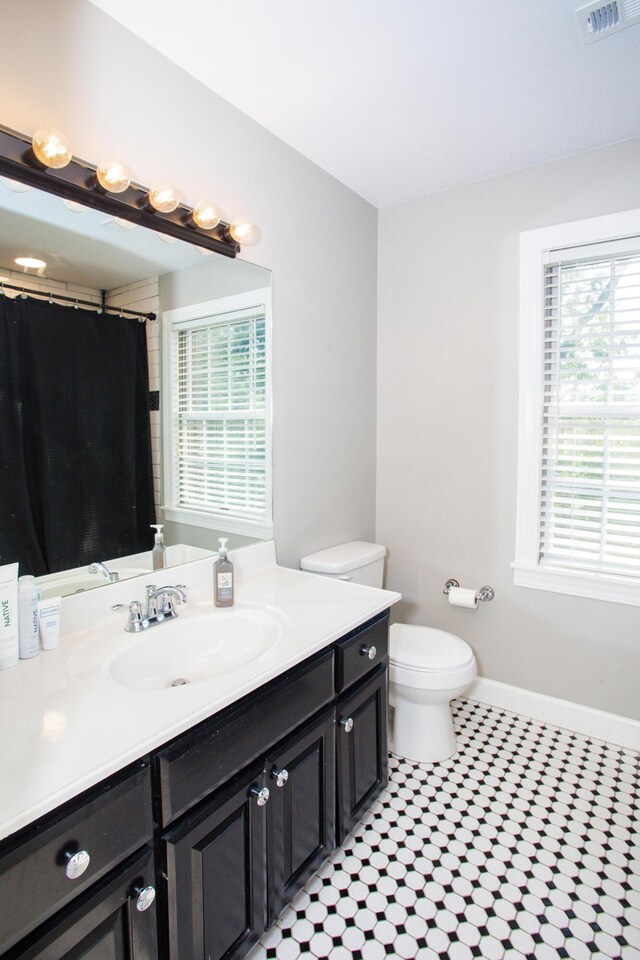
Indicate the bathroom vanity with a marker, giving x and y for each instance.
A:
(193, 849)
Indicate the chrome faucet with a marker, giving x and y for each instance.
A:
(99, 567)
(160, 604)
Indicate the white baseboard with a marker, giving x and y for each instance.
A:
(561, 713)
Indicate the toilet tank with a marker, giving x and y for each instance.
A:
(356, 561)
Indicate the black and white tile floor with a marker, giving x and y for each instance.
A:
(526, 844)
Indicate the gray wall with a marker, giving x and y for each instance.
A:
(114, 95)
(447, 426)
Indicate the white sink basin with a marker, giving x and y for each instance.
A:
(192, 649)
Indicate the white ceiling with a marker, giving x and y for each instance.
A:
(401, 98)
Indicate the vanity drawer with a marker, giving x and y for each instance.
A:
(109, 823)
(200, 761)
(354, 652)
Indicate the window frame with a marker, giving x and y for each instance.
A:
(221, 307)
(535, 247)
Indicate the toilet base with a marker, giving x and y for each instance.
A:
(422, 732)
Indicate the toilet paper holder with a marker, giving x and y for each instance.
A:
(484, 593)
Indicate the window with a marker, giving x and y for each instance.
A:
(578, 527)
(218, 461)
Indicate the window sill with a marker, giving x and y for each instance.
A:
(577, 583)
(245, 528)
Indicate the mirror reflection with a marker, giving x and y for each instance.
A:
(129, 443)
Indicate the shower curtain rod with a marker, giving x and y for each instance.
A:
(77, 301)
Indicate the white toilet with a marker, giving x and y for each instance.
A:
(427, 668)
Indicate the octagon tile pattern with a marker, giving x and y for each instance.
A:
(525, 844)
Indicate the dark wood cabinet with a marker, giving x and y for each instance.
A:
(361, 651)
(204, 758)
(361, 749)
(215, 866)
(107, 823)
(233, 863)
(102, 924)
(301, 809)
(227, 857)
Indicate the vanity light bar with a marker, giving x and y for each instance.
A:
(78, 181)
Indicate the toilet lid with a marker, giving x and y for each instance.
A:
(424, 648)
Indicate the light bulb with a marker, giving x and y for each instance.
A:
(164, 198)
(51, 148)
(205, 215)
(15, 185)
(113, 176)
(244, 232)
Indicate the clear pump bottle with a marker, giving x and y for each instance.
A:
(159, 552)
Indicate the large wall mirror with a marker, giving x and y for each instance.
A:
(113, 423)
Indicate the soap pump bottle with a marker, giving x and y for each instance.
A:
(158, 554)
(223, 588)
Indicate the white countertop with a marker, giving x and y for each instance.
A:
(66, 724)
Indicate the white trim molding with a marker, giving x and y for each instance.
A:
(217, 521)
(623, 731)
(536, 247)
(578, 583)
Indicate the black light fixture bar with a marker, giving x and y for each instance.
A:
(76, 301)
(77, 181)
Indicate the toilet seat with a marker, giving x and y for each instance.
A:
(429, 659)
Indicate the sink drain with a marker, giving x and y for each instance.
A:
(178, 682)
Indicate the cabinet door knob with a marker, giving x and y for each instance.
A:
(280, 776)
(262, 795)
(144, 897)
(347, 724)
(368, 651)
(76, 864)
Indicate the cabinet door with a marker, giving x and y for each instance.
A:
(216, 891)
(301, 809)
(361, 747)
(109, 823)
(112, 921)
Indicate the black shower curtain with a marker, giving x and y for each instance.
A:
(75, 451)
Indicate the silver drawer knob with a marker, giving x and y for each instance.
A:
(144, 898)
(347, 724)
(76, 864)
(369, 652)
(261, 794)
(280, 776)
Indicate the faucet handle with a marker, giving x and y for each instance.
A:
(170, 598)
(166, 606)
(152, 604)
(137, 621)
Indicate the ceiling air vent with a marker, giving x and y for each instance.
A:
(599, 20)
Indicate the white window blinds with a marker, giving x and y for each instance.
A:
(220, 410)
(590, 484)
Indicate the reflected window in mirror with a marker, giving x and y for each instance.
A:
(217, 464)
